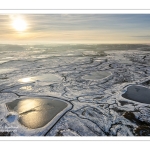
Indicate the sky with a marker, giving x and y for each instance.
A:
(75, 28)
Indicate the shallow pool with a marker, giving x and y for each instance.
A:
(138, 93)
(44, 78)
(36, 112)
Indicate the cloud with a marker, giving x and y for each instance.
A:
(78, 27)
(142, 36)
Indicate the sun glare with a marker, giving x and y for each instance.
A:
(19, 24)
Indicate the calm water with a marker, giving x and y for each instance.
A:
(138, 94)
(44, 78)
(36, 112)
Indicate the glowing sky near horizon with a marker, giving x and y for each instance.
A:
(76, 28)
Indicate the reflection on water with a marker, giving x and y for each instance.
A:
(28, 88)
(97, 75)
(36, 112)
(44, 78)
(138, 94)
(26, 80)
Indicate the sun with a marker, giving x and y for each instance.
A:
(19, 24)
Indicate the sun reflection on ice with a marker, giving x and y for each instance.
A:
(28, 88)
(37, 112)
(26, 80)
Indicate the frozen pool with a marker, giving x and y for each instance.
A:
(37, 112)
(97, 75)
(44, 78)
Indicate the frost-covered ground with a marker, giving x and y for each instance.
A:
(73, 75)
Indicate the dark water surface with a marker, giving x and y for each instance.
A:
(138, 94)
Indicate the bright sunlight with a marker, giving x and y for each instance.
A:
(19, 24)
